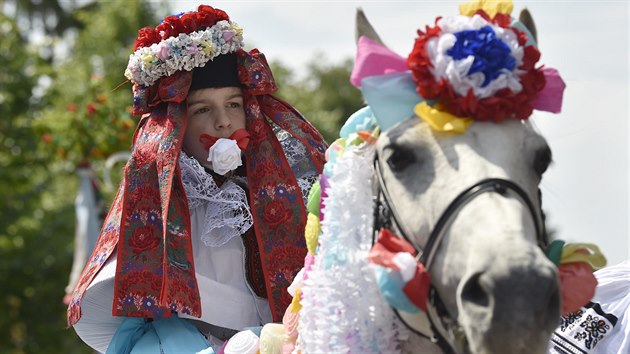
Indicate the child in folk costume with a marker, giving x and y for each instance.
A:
(195, 233)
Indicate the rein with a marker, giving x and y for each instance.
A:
(436, 324)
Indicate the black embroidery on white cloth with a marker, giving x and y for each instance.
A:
(579, 332)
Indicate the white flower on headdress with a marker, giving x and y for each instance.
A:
(225, 156)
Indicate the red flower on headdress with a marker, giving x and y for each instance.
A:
(206, 16)
(189, 20)
(170, 27)
(165, 30)
(221, 15)
(176, 23)
(275, 213)
(146, 37)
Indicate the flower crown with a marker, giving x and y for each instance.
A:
(182, 42)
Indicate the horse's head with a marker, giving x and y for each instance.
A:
(469, 203)
(486, 264)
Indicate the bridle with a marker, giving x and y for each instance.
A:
(442, 329)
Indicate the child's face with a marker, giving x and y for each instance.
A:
(214, 111)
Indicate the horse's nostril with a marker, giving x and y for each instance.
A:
(474, 292)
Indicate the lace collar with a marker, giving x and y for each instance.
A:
(227, 213)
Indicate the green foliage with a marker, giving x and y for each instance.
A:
(325, 97)
(55, 114)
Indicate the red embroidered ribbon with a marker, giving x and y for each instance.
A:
(241, 136)
(149, 220)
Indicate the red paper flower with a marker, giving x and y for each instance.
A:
(189, 20)
(146, 37)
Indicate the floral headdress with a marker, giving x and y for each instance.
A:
(148, 226)
(182, 42)
(480, 65)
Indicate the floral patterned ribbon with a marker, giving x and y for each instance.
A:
(149, 220)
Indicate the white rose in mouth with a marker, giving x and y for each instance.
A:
(225, 156)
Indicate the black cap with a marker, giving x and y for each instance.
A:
(219, 72)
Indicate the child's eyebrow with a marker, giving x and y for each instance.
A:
(202, 100)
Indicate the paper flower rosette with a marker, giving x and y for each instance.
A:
(477, 67)
(481, 65)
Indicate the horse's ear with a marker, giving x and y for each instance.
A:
(526, 19)
(364, 28)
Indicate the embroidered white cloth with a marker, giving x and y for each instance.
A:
(603, 325)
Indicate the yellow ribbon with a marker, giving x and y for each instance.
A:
(440, 120)
(491, 7)
(311, 232)
(295, 305)
(583, 252)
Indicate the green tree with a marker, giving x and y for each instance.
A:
(325, 96)
(55, 113)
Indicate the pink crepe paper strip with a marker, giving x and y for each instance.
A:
(374, 59)
(550, 98)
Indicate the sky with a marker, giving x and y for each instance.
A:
(585, 191)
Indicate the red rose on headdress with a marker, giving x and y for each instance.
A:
(146, 37)
(275, 213)
(143, 238)
(206, 16)
(221, 15)
(165, 30)
(189, 20)
(171, 26)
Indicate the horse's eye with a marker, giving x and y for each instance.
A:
(400, 158)
(542, 160)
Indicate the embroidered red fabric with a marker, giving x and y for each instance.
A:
(149, 221)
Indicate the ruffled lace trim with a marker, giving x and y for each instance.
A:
(227, 212)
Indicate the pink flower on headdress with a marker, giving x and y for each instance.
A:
(192, 50)
(162, 53)
(227, 35)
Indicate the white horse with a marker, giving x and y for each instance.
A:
(470, 205)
